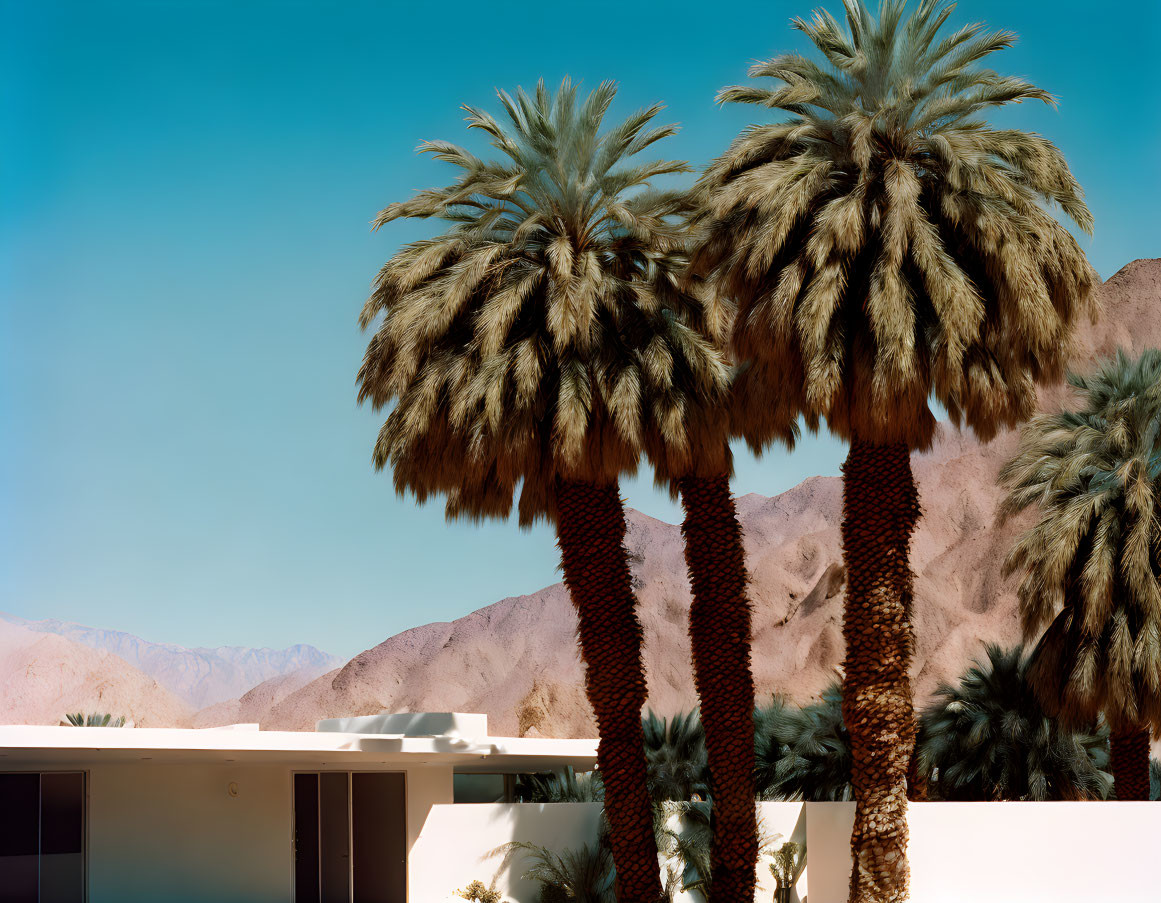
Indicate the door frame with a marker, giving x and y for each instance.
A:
(350, 773)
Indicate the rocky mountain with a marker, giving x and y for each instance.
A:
(254, 706)
(516, 660)
(200, 677)
(43, 676)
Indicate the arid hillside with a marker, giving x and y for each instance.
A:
(43, 676)
(200, 677)
(516, 660)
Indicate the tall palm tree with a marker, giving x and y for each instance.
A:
(720, 621)
(720, 615)
(720, 618)
(886, 246)
(988, 738)
(537, 345)
(1092, 562)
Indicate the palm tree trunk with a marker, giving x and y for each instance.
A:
(590, 532)
(719, 629)
(880, 511)
(1129, 760)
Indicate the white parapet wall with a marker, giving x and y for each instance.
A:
(411, 724)
(461, 843)
(1017, 852)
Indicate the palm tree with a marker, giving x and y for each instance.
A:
(538, 345)
(988, 738)
(803, 753)
(720, 640)
(886, 246)
(1091, 563)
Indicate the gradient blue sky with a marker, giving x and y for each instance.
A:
(185, 189)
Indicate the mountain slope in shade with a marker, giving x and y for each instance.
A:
(517, 661)
(44, 676)
(254, 706)
(199, 676)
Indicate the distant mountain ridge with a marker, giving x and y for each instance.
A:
(200, 676)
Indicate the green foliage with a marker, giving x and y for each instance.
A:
(675, 756)
(688, 842)
(989, 738)
(79, 719)
(478, 892)
(785, 862)
(587, 874)
(1090, 564)
(564, 786)
(803, 753)
(1154, 780)
(584, 875)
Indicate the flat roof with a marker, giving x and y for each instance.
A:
(29, 746)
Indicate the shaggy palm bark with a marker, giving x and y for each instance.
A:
(590, 533)
(1129, 761)
(880, 511)
(916, 781)
(719, 629)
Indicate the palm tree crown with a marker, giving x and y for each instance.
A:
(1091, 562)
(884, 243)
(544, 334)
(988, 738)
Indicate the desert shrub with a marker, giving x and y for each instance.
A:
(675, 757)
(565, 786)
(478, 892)
(94, 719)
(988, 738)
(803, 752)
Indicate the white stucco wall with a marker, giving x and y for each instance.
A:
(1034, 852)
(461, 843)
(1026, 852)
(172, 832)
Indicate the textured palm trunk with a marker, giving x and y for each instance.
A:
(880, 511)
(1129, 760)
(916, 782)
(719, 629)
(590, 533)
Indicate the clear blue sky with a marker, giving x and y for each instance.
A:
(185, 189)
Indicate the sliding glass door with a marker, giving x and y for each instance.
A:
(350, 837)
(42, 837)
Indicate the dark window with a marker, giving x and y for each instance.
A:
(42, 837)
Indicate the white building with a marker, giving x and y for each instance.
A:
(117, 815)
(369, 810)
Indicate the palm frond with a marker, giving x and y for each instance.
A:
(885, 245)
